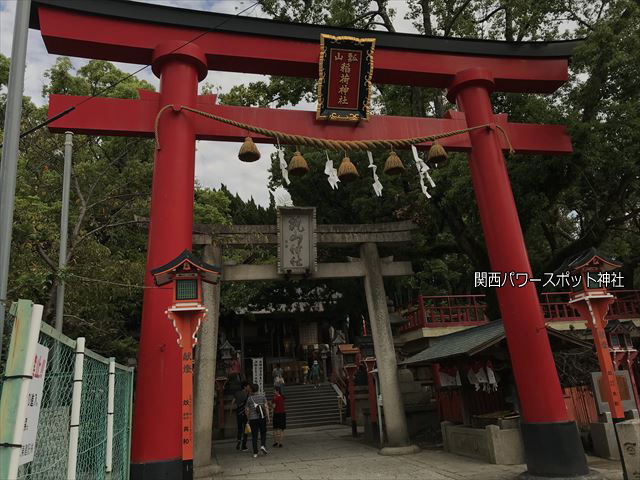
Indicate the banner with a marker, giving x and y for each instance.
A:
(258, 373)
(34, 400)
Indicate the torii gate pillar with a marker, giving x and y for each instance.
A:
(552, 443)
(180, 67)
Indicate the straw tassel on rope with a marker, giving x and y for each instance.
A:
(248, 151)
(347, 171)
(298, 165)
(393, 165)
(437, 155)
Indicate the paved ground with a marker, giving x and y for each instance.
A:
(330, 453)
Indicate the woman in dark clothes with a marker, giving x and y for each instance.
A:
(279, 417)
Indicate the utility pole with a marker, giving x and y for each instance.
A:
(64, 228)
(9, 166)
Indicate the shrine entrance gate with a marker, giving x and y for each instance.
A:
(182, 45)
(370, 267)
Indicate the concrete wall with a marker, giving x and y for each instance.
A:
(491, 444)
(604, 441)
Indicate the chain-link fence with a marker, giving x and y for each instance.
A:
(51, 457)
(52, 441)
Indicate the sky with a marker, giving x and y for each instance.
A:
(216, 162)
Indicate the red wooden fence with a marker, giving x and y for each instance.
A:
(469, 310)
(580, 403)
(450, 403)
(581, 406)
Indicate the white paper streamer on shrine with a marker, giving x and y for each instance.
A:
(331, 172)
(492, 378)
(283, 165)
(377, 186)
(423, 172)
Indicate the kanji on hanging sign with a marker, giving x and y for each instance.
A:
(187, 398)
(344, 85)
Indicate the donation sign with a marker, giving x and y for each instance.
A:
(34, 400)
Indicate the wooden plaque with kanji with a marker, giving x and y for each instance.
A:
(344, 84)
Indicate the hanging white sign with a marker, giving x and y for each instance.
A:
(34, 400)
(258, 373)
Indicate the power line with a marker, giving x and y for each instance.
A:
(110, 87)
(116, 284)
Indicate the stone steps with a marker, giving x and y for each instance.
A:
(308, 406)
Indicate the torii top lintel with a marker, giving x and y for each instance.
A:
(124, 31)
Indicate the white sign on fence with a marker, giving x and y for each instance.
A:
(258, 373)
(34, 399)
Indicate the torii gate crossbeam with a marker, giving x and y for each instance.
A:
(181, 51)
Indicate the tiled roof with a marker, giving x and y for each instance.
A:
(467, 341)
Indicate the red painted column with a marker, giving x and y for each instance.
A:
(541, 400)
(156, 449)
(538, 384)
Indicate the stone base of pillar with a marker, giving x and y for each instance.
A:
(554, 450)
(167, 470)
(408, 450)
(589, 476)
(207, 472)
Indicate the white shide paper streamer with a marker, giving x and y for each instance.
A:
(283, 165)
(423, 172)
(377, 186)
(331, 172)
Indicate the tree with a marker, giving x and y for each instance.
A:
(111, 183)
(565, 203)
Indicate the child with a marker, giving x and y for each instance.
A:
(305, 371)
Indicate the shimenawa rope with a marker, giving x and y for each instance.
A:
(324, 143)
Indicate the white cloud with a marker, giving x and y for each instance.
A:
(216, 162)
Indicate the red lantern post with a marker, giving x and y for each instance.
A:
(591, 300)
(186, 315)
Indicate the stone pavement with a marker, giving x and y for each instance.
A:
(330, 453)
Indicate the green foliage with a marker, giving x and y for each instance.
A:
(565, 204)
(4, 70)
(110, 189)
(211, 206)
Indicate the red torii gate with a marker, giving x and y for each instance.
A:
(164, 37)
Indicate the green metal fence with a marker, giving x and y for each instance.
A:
(52, 446)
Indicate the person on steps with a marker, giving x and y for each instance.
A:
(315, 373)
(278, 377)
(257, 412)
